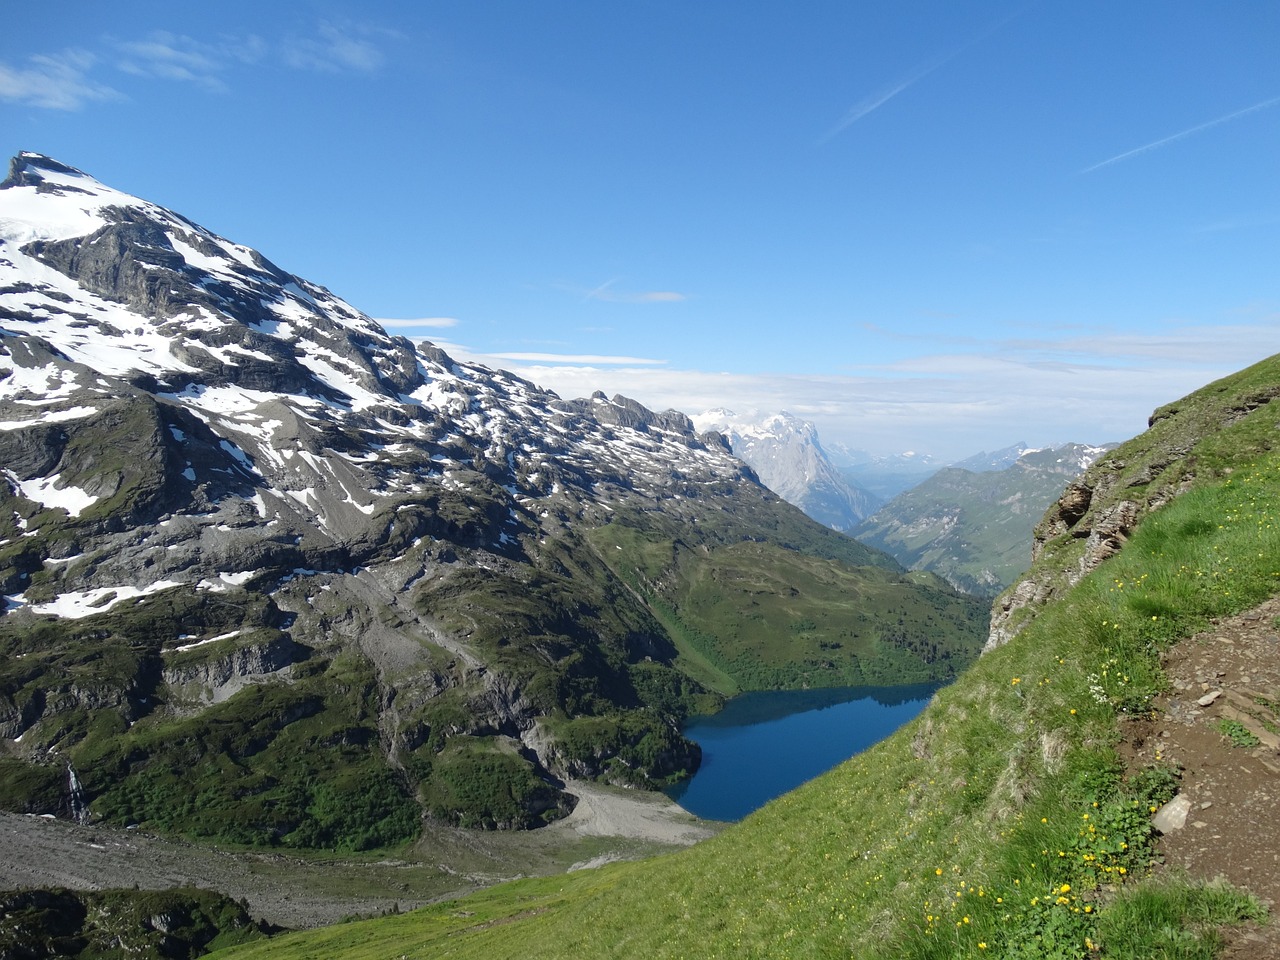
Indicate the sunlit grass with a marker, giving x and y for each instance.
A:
(998, 823)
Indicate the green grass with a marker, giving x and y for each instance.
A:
(296, 764)
(1237, 733)
(998, 823)
(754, 615)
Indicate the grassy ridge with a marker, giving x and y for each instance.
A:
(753, 615)
(999, 823)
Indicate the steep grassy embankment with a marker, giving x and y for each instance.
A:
(1000, 823)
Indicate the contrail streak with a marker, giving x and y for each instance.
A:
(1183, 135)
(879, 99)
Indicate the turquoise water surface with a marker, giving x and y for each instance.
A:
(763, 744)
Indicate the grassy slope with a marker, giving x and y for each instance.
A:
(989, 544)
(998, 823)
(754, 615)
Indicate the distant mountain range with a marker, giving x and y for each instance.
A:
(883, 475)
(273, 576)
(972, 523)
(785, 453)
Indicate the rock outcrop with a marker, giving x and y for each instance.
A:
(1097, 512)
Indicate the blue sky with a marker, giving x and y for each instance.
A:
(922, 225)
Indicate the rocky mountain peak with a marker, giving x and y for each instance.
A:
(787, 455)
(29, 169)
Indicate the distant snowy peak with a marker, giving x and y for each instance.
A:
(785, 452)
(777, 444)
(1065, 458)
(773, 428)
(998, 460)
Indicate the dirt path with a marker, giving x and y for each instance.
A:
(1230, 792)
(293, 891)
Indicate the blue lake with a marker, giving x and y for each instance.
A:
(763, 744)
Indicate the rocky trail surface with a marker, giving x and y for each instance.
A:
(1217, 724)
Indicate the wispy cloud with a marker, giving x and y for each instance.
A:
(1191, 131)
(337, 47)
(590, 359)
(435, 323)
(878, 99)
(71, 79)
(1084, 387)
(58, 81)
(169, 56)
(607, 293)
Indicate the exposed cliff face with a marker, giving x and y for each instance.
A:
(1185, 442)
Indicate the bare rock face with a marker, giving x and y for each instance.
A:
(1087, 516)
(1109, 532)
(787, 456)
(213, 679)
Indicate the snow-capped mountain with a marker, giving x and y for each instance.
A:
(786, 454)
(247, 535)
(985, 462)
(1069, 459)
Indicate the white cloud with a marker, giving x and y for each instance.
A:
(436, 323)
(168, 56)
(1232, 345)
(575, 359)
(65, 81)
(606, 293)
(54, 81)
(1087, 389)
(875, 101)
(647, 296)
(1182, 135)
(337, 47)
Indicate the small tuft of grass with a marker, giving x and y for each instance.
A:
(1175, 920)
(1237, 733)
